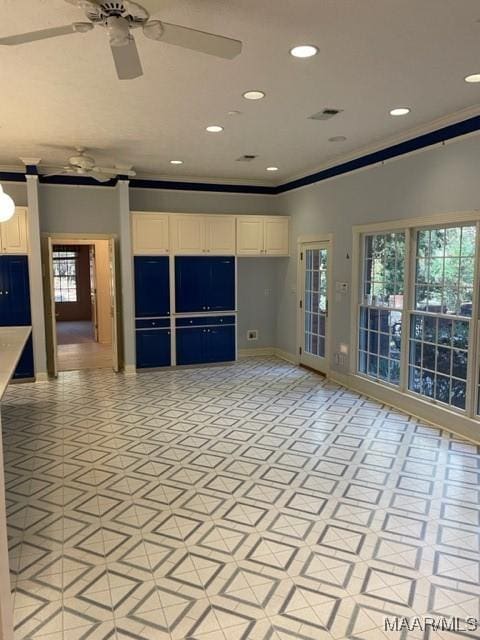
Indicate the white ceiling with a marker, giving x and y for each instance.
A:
(374, 55)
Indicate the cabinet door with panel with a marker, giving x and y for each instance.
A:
(276, 236)
(220, 235)
(188, 234)
(191, 274)
(220, 344)
(191, 345)
(15, 291)
(250, 232)
(153, 348)
(152, 286)
(220, 284)
(150, 233)
(13, 233)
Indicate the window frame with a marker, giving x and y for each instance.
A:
(410, 226)
(56, 259)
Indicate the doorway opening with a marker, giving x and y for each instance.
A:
(81, 310)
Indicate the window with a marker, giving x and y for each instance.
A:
(440, 322)
(418, 312)
(381, 316)
(65, 269)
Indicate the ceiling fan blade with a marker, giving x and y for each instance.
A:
(43, 34)
(99, 177)
(84, 4)
(202, 41)
(127, 61)
(55, 173)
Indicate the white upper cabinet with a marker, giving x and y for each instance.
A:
(220, 234)
(250, 236)
(262, 236)
(188, 234)
(13, 233)
(276, 236)
(150, 233)
(197, 235)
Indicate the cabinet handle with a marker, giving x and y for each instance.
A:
(191, 321)
(153, 324)
(221, 319)
(204, 308)
(204, 331)
(168, 333)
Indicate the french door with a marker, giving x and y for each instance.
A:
(314, 326)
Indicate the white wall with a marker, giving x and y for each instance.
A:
(442, 179)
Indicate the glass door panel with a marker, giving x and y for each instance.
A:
(315, 306)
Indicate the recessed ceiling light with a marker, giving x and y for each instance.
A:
(400, 111)
(255, 94)
(214, 128)
(337, 139)
(176, 161)
(475, 77)
(304, 51)
(272, 168)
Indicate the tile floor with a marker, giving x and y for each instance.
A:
(252, 501)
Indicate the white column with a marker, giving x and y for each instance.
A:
(36, 281)
(126, 271)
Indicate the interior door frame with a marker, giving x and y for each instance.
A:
(303, 242)
(52, 239)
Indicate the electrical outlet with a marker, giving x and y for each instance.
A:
(252, 334)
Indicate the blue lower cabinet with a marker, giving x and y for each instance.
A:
(190, 345)
(197, 345)
(153, 348)
(25, 368)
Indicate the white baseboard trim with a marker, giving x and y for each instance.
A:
(432, 414)
(130, 370)
(256, 352)
(285, 355)
(268, 351)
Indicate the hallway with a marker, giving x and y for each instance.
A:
(76, 349)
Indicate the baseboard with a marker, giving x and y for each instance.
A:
(285, 355)
(41, 376)
(130, 370)
(432, 414)
(258, 351)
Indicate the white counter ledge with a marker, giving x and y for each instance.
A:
(12, 342)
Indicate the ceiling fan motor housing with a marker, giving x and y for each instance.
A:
(133, 13)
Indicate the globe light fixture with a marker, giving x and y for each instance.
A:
(7, 206)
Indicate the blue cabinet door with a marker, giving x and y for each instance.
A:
(15, 305)
(16, 291)
(220, 344)
(220, 293)
(191, 345)
(152, 286)
(191, 275)
(204, 284)
(153, 348)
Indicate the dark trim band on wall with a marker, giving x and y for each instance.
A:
(414, 144)
(449, 132)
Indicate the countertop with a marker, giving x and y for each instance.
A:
(12, 341)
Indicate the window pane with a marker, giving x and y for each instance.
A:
(65, 276)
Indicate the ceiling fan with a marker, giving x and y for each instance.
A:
(119, 18)
(84, 165)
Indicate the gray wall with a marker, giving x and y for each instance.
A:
(442, 179)
(17, 191)
(78, 209)
(257, 300)
(197, 202)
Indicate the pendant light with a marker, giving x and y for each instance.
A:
(7, 206)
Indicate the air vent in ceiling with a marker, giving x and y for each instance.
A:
(325, 114)
(246, 158)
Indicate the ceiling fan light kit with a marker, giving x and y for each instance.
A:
(119, 18)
